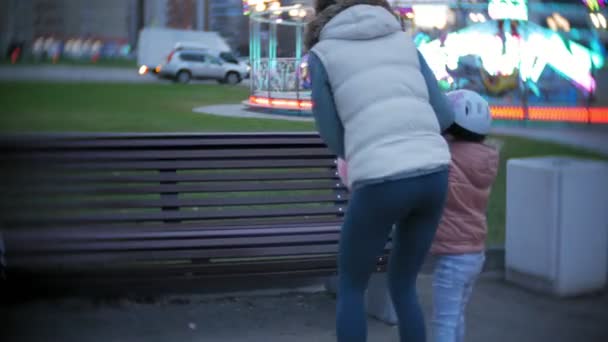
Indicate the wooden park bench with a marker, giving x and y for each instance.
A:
(148, 207)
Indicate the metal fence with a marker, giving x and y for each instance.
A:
(279, 78)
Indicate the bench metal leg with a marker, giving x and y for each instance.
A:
(379, 303)
(331, 285)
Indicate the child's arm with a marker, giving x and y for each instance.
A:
(324, 109)
(440, 103)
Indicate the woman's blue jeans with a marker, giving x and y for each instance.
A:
(416, 204)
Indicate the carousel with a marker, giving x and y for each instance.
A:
(279, 78)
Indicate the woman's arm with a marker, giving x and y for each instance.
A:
(440, 103)
(324, 109)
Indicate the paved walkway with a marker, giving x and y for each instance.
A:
(593, 138)
(240, 111)
(65, 73)
(69, 73)
(498, 313)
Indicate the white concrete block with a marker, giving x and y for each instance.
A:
(557, 225)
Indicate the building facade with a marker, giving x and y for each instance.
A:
(226, 17)
(26, 20)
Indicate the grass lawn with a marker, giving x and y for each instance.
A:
(520, 148)
(43, 107)
(90, 107)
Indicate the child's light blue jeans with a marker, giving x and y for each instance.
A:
(453, 282)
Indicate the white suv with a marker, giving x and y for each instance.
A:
(184, 65)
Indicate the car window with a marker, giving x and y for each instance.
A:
(192, 57)
(228, 57)
(214, 60)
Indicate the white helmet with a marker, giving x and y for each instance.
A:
(471, 111)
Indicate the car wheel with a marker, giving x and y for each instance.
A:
(232, 78)
(183, 77)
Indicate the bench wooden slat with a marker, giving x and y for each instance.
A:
(117, 260)
(110, 261)
(40, 143)
(243, 153)
(166, 274)
(80, 219)
(38, 235)
(17, 206)
(172, 225)
(259, 222)
(278, 222)
(110, 246)
(173, 188)
(184, 165)
(254, 266)
(41, 176)
(91, 260)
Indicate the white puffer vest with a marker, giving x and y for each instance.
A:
(380, 95)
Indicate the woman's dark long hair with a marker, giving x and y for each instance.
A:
(320, 5)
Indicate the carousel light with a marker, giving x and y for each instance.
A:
(562, 22)
(552, 23)
(508, 9)
(477, 17)
(595, 20)
(274, 6)
(602, 20)
(431, 16)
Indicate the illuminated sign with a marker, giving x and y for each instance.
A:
(542, 48)
(508, 9)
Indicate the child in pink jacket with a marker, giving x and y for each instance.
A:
(460, 240)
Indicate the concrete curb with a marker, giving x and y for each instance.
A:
(592, 138)
(239, 111)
